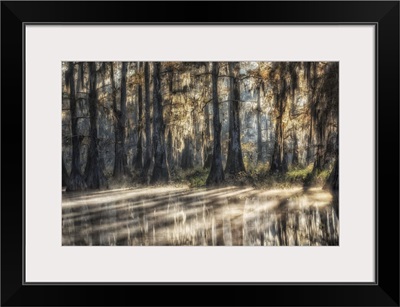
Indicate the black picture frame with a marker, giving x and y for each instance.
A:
(385, 17)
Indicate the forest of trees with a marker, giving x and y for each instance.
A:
(200, 153)
(201, 123)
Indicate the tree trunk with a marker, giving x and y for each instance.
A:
(234, 162)
(216, 174)
(295, 159)
(276, 161)
(147, 155)
(94, 176)
(333, 179)
(311, 83)
(138, 163)
(332, 182)
(160, 171)
(169, 111)
(81, 77)
(187, 154)
(170, 149)
(309, 143)
(193, 142)
(259, 135)
(65, 177)
(326, 108)
(120, 162)
(207, 148)
(266, 135)
(279, 163)
(318, 162)
(320, 134)
(76, 181)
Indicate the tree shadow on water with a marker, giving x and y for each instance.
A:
(202, 217)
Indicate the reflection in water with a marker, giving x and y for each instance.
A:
(180, 216)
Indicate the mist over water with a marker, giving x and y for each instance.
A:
(166, 216)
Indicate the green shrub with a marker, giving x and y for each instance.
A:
(195, 177)
(257, 176)
(299, 174)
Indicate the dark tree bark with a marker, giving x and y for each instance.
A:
(295, 159)
(207, 148)
(293, 110)
(169, 111)
(277, 155)
(193, 142)
(279, 159)
(65, 177)
(94, 176)
(216, 175)
(138, 161)
(160, 170)
(266, 135)
(120, 162)
(234, 162)
(259, 135)
(81, 77)
(325, 112)
(187, 154)
(319, 124)
(147, 154)
(332, 182)
(76, 181)
(80, 85)
(310, 70)
(320, 152)
(309, 143)
(207, 142)
(170, 151)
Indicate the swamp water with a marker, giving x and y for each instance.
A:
(161, 216)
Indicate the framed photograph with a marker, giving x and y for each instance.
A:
(244, 156)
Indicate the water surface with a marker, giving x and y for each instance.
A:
(161, 216)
